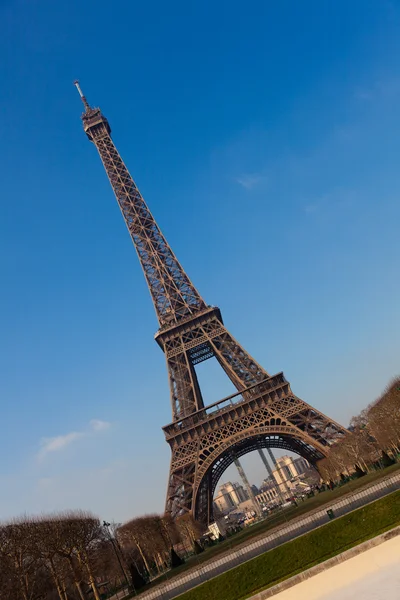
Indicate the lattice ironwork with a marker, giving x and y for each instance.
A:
(264, 413)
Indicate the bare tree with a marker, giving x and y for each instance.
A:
(45, 544)
(130, 535)
(9, 584)
(384, 419)
(153, 536)
(375, 430)
(190, 530)
(85, 533)
(75, 537)
(24, 567)
(328, 469)
(169, 530)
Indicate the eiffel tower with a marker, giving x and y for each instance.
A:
(205, 440)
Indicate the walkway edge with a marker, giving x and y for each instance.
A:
(327, 564)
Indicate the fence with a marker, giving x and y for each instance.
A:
(294, 528)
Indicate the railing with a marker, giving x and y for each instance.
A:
(256, 390)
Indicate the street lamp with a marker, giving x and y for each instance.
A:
(112, 540)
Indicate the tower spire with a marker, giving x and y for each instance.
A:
(83, 98)
(174, 296)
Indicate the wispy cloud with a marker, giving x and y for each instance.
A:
(98, 425)
(251, 180)
(55, 444)
(60, 442)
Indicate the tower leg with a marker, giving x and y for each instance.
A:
(247, 486)
(269, 470)
(240, 367)
(185, 391)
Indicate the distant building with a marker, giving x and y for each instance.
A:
(301, 465)
(292, 473)
(229, 496)
(286, 465)
(267, 497)
(267, 484)
(216, 529)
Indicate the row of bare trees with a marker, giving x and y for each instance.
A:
(152, 537)
(52, 556)
(68, 556)
(374, 438)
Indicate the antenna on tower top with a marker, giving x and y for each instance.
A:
(85, 102)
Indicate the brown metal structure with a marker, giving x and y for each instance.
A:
(205, 440)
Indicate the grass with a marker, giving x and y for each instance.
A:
(301, 553)
(274, 520)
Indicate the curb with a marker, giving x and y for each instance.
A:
(331, 562)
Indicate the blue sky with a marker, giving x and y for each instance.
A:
(265, 138)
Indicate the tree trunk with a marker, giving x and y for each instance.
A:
(56, 579)
(91, 578)
(77, 581)
(93, 584)
(146, 564)
(78, 585)
(64, 588)
(365, 466)
(22, 580)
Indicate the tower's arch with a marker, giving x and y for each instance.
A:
(282, 437)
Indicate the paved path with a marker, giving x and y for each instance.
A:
(372, 575)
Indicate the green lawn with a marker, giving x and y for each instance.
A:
(283, 516)
(302, 553)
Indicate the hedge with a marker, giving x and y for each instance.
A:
(294, 557)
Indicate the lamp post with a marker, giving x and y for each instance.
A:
(112, 540)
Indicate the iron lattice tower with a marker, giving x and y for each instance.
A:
(264, 412)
